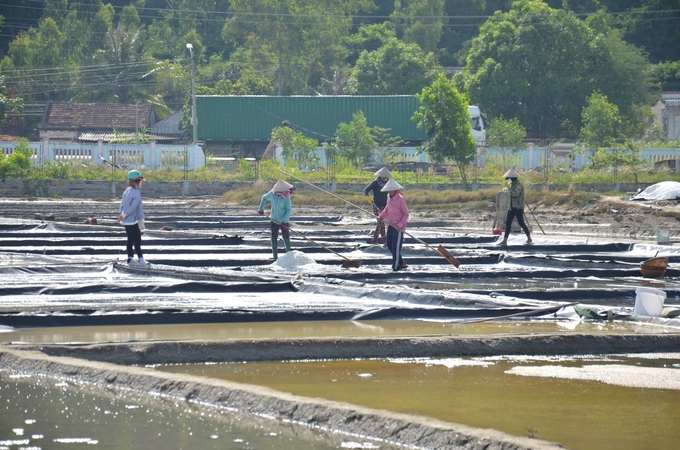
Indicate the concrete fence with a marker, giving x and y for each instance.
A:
(190, 157)
(126, 156)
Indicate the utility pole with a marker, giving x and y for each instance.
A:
(279, 71)
(194, 120)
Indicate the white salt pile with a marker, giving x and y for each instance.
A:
(293, 260)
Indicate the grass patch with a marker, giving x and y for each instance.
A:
(417, 199)
(673, 214)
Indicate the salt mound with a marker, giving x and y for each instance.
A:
(293, 260)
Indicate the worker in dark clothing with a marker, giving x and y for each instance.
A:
(379, 201)
(515, 207)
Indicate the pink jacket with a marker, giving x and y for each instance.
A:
(396, 211)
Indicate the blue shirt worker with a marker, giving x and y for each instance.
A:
(281, 207)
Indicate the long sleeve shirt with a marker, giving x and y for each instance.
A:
(379, 197)
(131, 206)
(516, 195)
(396, 211)
(281, 207)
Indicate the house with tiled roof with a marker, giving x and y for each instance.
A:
(667, 113)
(103, 122)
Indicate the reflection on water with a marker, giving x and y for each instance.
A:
(35, 414)
(258, 330)
(479, 392)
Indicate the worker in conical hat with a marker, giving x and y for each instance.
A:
(396, 215)
(378, 201)
(281, 207)
(515, 207)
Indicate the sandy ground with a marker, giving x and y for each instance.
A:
(614, 217)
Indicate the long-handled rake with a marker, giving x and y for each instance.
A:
(441, 250)
(347, 263)
(534, 216)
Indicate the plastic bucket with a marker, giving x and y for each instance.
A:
(649, 301)
(662, 235)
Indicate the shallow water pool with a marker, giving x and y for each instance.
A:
(330, 328)
(38, 413)
(483, 392)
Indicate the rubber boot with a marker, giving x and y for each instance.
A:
(275, 248)
(287, 242)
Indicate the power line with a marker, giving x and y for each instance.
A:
(185, 12)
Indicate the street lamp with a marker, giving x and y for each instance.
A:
(194, 120)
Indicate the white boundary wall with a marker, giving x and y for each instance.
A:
(151, 155)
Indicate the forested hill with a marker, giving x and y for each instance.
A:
(530, 60)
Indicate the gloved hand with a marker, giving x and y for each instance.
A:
(261, 213)
(284, 225)
(369, 199)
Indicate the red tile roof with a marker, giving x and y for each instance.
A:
(100, 116)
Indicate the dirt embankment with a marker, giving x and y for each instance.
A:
(604, 217)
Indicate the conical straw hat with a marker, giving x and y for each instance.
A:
(392, 186)
(383, 173)
(281, 186)
(512, 173)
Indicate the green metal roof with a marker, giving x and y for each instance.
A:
(252, 117)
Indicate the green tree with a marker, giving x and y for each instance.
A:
(394, 68)
(468, 18)
(422, 22)
(387, 145)
(506, 135)
(354, 140)
(124, 67)
(601, 128)
(6, 103)
(35, 64)
(601, 122)
(627, 79)
(650, 23)
(444, 114)
(540, 64)
(297, 40)
(372, 36)
(667, 74)
(18, 163)
(297, 146)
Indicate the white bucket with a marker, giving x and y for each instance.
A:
(649, 301)
(663, 235)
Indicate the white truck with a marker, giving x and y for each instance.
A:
(477, 124)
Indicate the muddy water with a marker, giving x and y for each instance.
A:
(35, 415)
(579, 414)
(257, 330)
